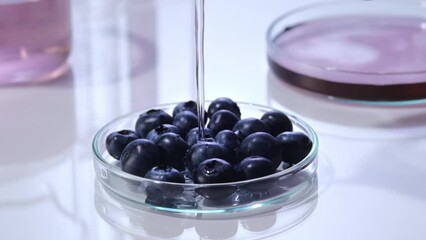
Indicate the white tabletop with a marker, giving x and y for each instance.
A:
(129, 56)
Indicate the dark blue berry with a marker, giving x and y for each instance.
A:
(188, 106)
(203, 151)
(185, 121)
(229, 140)
(150, 120)
(254, 167)
(261, 144)
(222, 120)
(163, 128)
(139, 156)
(247, 126)
(172, 150)
(294, 146)
(223, 103)
(193, 135)
(277, 122)
(214, 170)
(185, 106)
(117, 141)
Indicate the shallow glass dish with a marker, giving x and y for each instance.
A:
(367, 51)
(192, 200)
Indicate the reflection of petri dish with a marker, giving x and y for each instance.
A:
(132, 219)
(358, 50)
(242, 198)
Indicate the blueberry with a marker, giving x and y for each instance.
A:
(247, 126)
(163, 128)
(139, 156)
(222, 120)
(150, 120)
(117, 141)
(172, 150)
(277, 122)
(185, 121)
(254, 167)
(229, 140)
(214, 170)
(165, 174)
(193, 135)
(188, 106)
(261, 144)
(223, 103)
(203, 151)
(294, 146)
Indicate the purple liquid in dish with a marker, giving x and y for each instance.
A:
(35, 40)
(366, 58)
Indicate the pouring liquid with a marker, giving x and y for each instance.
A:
(199, 64)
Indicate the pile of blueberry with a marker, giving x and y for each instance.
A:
(166, 147)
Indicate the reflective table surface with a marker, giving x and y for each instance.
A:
(128, 56)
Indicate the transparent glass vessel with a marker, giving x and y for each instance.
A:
(35, 40)
(254, 196)
(369, 51)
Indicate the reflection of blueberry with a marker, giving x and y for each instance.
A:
(173, 150)
(294, 146)
(259, 223)
(260, 144)
(247, 126)
(237, 198)
(185, 121)
(193, 135)
(161, 227)
(165, 174)
(158, 191)
(216, 193)
(206, 150)
(214, 229)
(117, 141)
(223, 103)
(139, 156)
(150, 120)
(163, 128)
(170, 196)
(222, 120)
(277, 122)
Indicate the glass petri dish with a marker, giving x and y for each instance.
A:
(360, 51)
(243, 198)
